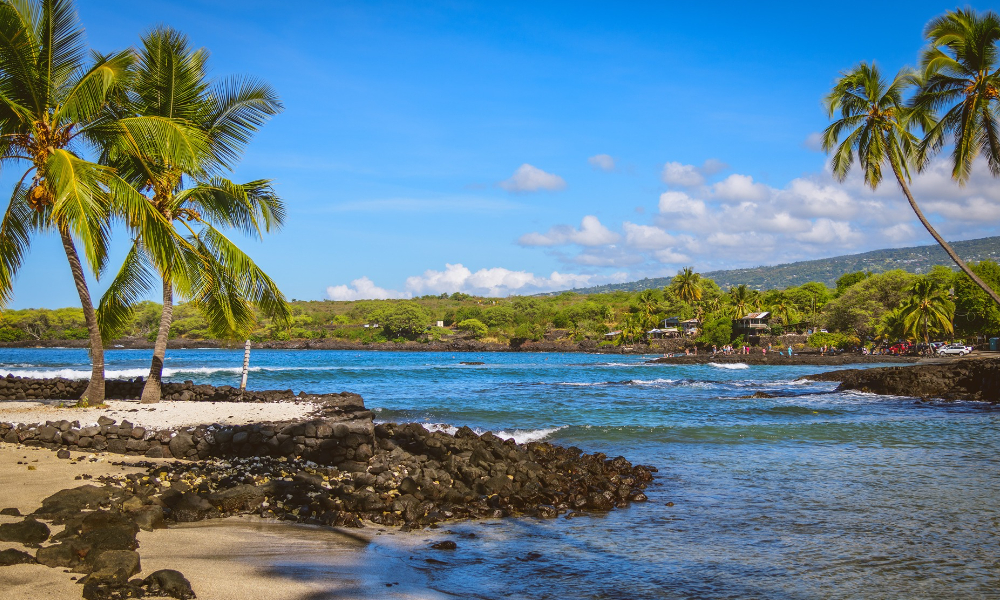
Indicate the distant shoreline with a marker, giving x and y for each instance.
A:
(777, 359)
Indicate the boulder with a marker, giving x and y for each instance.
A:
(15, 557)
(168, 582)
(29, 532)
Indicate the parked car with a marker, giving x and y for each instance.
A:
(952, 349)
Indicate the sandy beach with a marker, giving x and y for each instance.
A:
(235, 558)
(160, 415)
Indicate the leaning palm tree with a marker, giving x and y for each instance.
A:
(961, 79)
(170, 81)
(928, 307)
(877, 130)
(53, 112)
(686, 285)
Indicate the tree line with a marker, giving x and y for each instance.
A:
(863, 308)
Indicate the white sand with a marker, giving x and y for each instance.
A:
(162, 415)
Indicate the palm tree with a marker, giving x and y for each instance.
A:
(647, 305)
(961, 77)
(170, 81)
(741, 299)
(53, 108)
(687, 285)
(785, 310)
(877, 127)
(928, 308)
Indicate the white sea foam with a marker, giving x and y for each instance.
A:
(652, 381)
(521, 436)
(729, 365)
(70, 373)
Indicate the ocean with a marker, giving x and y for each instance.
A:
(810, 494)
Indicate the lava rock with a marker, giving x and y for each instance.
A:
(29, 532)
(15, 557)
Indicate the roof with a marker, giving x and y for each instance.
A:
(760, 315)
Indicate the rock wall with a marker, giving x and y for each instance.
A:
(58, 388)
(342, 432)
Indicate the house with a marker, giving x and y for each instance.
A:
(690, 326)
(753, 324)
(611, 335)
(687, 326)
(657, 334)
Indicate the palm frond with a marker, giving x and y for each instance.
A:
(81, 203)
(134, 279)
(15, 240)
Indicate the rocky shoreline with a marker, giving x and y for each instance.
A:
(338, 469)
(957, 379)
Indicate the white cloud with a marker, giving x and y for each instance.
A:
(647, 237)
(901, 232)
(604, 162)
(826, 231)
(712, 166)
(679, 203)
(674, 173)
(591, 233)
(362, 289)
(739, 222)
(496, 281)
(668, 256)
(532, 179)
(739, 188)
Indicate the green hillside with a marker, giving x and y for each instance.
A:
(918, 259)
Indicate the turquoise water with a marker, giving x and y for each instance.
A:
(811, 494)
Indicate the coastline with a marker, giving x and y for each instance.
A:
(774, 358)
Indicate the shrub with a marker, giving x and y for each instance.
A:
(842, 341)
(473, 326)
(402, 320)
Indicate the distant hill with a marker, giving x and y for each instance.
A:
(918, 259)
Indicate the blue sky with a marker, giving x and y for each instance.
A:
(519, 147)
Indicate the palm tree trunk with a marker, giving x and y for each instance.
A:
(94, 394)
(940, 240)
(152, 390)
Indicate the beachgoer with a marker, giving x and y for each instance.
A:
(789, 349)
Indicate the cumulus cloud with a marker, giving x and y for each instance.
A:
(739, 188)
(591, 233)
(689, 176)
(680, 203)
(647, 237)
(604, 162)
(496, 281)
(739, 222)
(362, 289)
(675, 173)
(532, 179)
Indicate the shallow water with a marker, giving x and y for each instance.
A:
(811, 494)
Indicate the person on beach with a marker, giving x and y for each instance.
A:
(789, 350)
(714, 349)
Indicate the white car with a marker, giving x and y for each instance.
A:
(959, 349)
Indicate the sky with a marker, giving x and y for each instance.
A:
(504, 148)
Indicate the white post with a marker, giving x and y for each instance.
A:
(246, 367)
